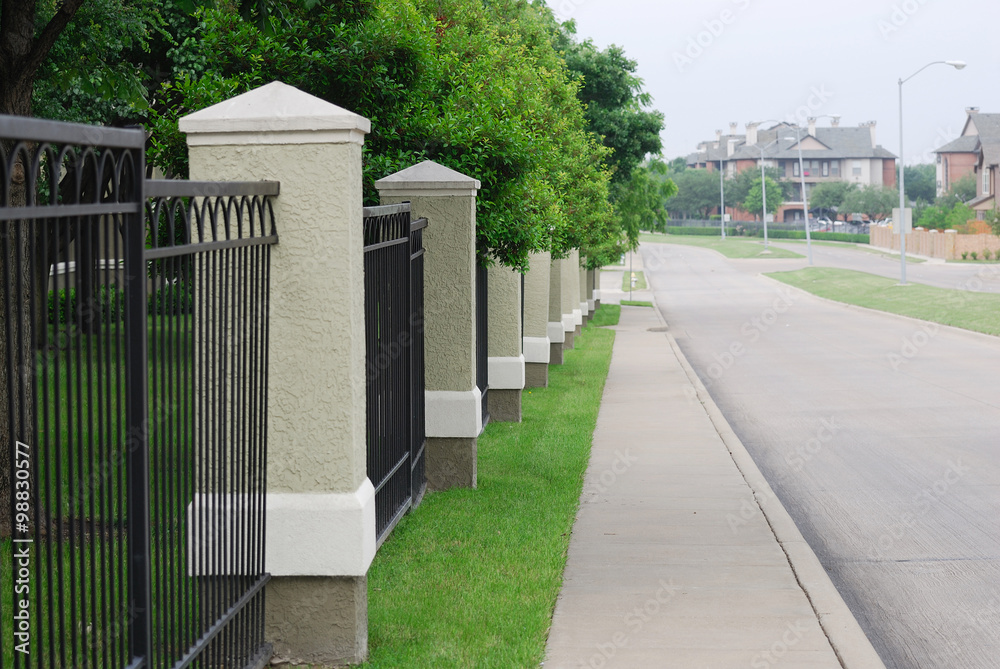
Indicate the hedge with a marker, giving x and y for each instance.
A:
(171, 300)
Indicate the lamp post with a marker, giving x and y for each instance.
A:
(763, 183)
(722, 199)
(802, 181)
(958, 65)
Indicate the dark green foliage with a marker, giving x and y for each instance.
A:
(920, 182)
(63, 305)
(698, 232)
(173, 299)
(697, 194)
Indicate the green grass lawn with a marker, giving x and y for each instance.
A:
(470, 577)
(640, 281)
(961, 308)
(636, 303)
(731, 247)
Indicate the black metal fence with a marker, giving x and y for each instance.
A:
(394, 308)
(133, 366)
(483, 338)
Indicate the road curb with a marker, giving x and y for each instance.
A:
(849, 642)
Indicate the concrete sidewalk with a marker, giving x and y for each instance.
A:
(681, 555)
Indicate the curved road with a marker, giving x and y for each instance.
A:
(880, 435)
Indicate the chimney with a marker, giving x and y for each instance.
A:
(752, 133)
(718, 135)
(971, 110)
(732, 147)
(732, 127)
(871, 128)
(812, 125)
(835, 122)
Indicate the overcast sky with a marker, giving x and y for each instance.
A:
(707, 63)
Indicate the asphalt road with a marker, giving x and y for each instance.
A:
(879, 434)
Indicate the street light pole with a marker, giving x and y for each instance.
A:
(958, 65)
(763, 196)
(722, 199)
(802, 181)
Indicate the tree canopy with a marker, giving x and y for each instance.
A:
(830, 195)
(697, 194)
(874, 201)
(920, 182)
(754, 201)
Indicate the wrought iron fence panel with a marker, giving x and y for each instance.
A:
(393, 258)
(110, 446)
(482, 339)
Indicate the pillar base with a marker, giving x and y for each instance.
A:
(536, 374)
(579, 330)
(319, 621)
(555, 354)
(504, 405)
(451, 462)
(568, 344)
(597, 303)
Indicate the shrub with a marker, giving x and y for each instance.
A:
(173, 299)
(697, 232)
(974, 255)
(965, 255)
(110, 303)
(987, 254)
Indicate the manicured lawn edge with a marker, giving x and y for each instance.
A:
(731, 247)
(959, 308)
(470, 577)
(640, 281)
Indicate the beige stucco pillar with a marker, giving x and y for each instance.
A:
(320, 504)
(556, 324)
(595, 294)
(506, 361)
(584, 293)
(536, 344)
(453, 402)
(572, 316)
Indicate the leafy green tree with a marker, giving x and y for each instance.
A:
(964, 189)
(830, 195)
(874, 201)
(678, 164)
(753, 202)
(738, 187)
(616, 105)
(697, 194)
(643, 204)
(920, 182)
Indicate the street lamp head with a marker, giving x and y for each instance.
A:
(957, 64)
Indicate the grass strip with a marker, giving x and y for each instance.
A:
(729, 247)
(961, 308)
(636, 303)
(640, 281)
(470, 577)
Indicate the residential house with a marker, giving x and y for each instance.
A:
(976, 151)
(829, 154)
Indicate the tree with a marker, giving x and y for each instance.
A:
(754, 199)
(697, 194)
(965, 188)
(920, 182)
(678, 164)
(643, 205)
(874, 201)
(615, 105)
(830, 195)
(738, 187)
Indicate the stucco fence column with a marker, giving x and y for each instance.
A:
(572, 316)
(584, 293)
(453, 402)
(556, 326)
(595, 295)
(506, 361)
(536, 345)
(320, 529)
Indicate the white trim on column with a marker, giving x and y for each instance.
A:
(557, 332)
(584, 308)
(308, 534)
(577, 318)
(597, 294)
(568, 323)
(591, 305)
(453, 413)
(538, 349)
(506, 373)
